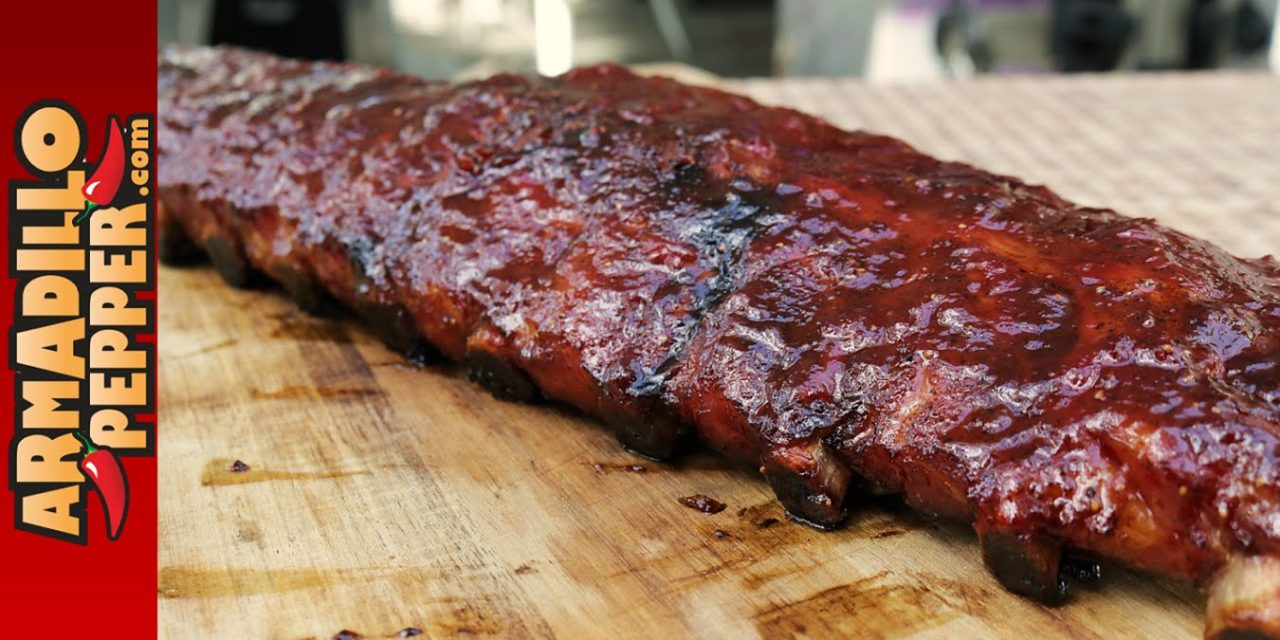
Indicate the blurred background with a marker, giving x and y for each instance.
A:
(880, 40)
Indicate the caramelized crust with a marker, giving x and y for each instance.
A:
(834, 305)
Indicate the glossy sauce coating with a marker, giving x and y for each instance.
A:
(835, 305)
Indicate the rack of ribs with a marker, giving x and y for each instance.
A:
(685, 264)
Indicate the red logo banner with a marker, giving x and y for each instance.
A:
(79, 535)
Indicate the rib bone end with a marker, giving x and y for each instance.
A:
(301, 287)
(1028, 565)
(654, 435)
(810, 481)
(1244, 600)
(498, 376)
(391, 323)
(174, 246)
(229, 260)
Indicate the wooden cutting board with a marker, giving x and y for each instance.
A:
(381, 496)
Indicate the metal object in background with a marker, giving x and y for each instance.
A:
(1089, 35)
(667, 15)
(824, 37)
(1106, 35)
(921, 39)
(312, 29)
(1217, 31)
(363, 34)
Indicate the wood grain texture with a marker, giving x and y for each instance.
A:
(381, 496)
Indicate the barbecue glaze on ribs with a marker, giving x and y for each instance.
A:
(853, 314)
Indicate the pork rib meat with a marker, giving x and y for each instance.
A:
(852, 314)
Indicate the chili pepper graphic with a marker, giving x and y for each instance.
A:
(102, 186)
(104, 469)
